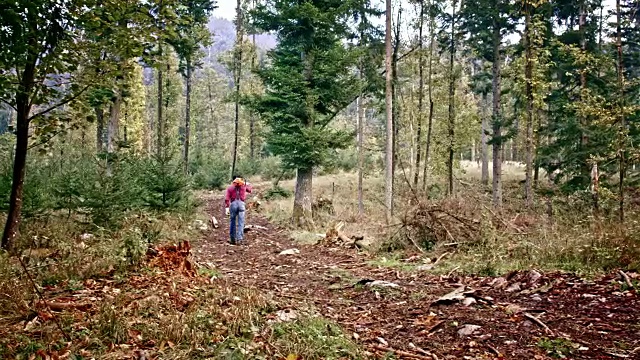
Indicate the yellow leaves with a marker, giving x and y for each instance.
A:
(294, 357)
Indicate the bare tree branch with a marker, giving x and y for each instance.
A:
(63, 102)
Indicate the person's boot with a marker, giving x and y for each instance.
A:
(232, 242)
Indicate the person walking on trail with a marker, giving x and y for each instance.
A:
(235, 208)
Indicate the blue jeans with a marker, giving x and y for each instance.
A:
(237, 212)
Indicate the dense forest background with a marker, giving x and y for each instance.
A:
(157, 99)
(396, 149)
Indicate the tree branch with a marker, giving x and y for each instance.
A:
(47, 140)
(8, 103)
(63, 102)
(342, 107)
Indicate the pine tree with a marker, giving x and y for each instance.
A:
(191, 35)
(307, 81)
(487, 22)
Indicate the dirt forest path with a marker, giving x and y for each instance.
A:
(522, 315)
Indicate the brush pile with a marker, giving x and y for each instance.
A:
(428, 223)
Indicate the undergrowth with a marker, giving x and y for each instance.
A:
(313, 338)
(476, 238)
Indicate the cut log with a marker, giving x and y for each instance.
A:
(214, 222)
(344, 238)
(60, 306)
(254, 227)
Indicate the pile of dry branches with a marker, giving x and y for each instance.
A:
(429, 223)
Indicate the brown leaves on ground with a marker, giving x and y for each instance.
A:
(522, 315)
(173, 258)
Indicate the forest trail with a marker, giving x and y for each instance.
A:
(522, 315)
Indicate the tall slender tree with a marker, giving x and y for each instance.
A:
(487, 22)
(621, 116)
(191, 35)
(388, 190)
(420, 94)
(528, 188)
(452, 95)
(237, 78)
(433, 10)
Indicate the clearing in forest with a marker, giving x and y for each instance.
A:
(407, 312)
(278, 299)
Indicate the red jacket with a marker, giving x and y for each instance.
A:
(231, 194)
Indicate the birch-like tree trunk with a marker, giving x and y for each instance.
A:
(389, 111)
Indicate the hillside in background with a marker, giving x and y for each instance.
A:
(224, 37)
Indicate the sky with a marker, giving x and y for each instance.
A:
(226, 10)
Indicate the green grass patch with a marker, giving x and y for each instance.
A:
(392, 260)
(558, 348)
(305, 237)
(209, 273)
(313, 338)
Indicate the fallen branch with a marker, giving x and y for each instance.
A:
(620, 356)
(626, 278)
(481, 298)
(35, 287)
(305, 298)
(413, 242)
(422, 351)
(435, 326)
(60, 306)
(506, 224)
(402, 353)
(538, 322)
(440, 258)
(452, 271)
(495, 351)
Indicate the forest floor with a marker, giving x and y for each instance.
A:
(207, 299)
(409, 313)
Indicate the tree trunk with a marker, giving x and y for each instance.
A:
(23, 107)
(473, 151)
(420, 97)
(302, 203)
(187, 120)
(394, 101)
(113, 128)
(238, 78)
(623, 126)
(19, 170)
(430, 85)
(114, 124)
(536, 163)
(360, 155)
(252, 118)
(452, 93)
(160, 125)
(583, 76)
(99, 128)
(485, 142)
(216, 133)
(389, 111)
(528, 189)
(497, 120)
